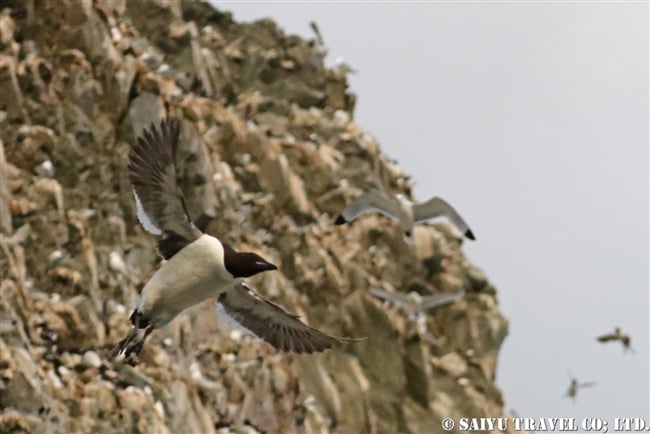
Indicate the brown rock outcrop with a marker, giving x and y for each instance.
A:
(270, 147)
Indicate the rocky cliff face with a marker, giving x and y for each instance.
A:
(270, 147)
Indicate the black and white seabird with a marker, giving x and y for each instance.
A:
(198, 266)
(618, 335)
(402, 210)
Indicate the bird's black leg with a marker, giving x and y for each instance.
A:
(138, 347)
(132, 353)
(124, 343)
(119, 348)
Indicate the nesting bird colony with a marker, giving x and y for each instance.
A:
(260, 152)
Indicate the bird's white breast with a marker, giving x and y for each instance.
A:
(195, 273)
(406, 212)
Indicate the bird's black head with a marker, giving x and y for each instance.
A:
(245, 264)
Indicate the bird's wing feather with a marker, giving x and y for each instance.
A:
(397, 298)
(606, 338)
(373, 200)
(159, 201)
(435, 300)
(437, 207)
(272, 323)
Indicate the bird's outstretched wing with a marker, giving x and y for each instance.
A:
(397, 298)
(437, 207)
(607, 338)
(435, 300)
(159, 201)
(272, 323)
(373, 200)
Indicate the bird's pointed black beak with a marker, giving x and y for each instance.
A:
(265, 266)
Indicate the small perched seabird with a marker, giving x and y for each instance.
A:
(198, 266)
(572, 392)
(403, 210)
(618, 335)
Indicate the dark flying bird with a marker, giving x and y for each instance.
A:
(198, 266)
(402, 210)
(618, 335)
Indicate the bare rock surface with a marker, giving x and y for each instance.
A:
(271, 148)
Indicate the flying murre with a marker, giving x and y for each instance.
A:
(404, 211)
(198, 266)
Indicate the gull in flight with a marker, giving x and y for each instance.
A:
(416, 304)
(402, 210)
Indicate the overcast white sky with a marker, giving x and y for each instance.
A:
(532, 119)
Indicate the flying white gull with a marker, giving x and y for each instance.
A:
(402, 210)
(416, 303)
(198, 266)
